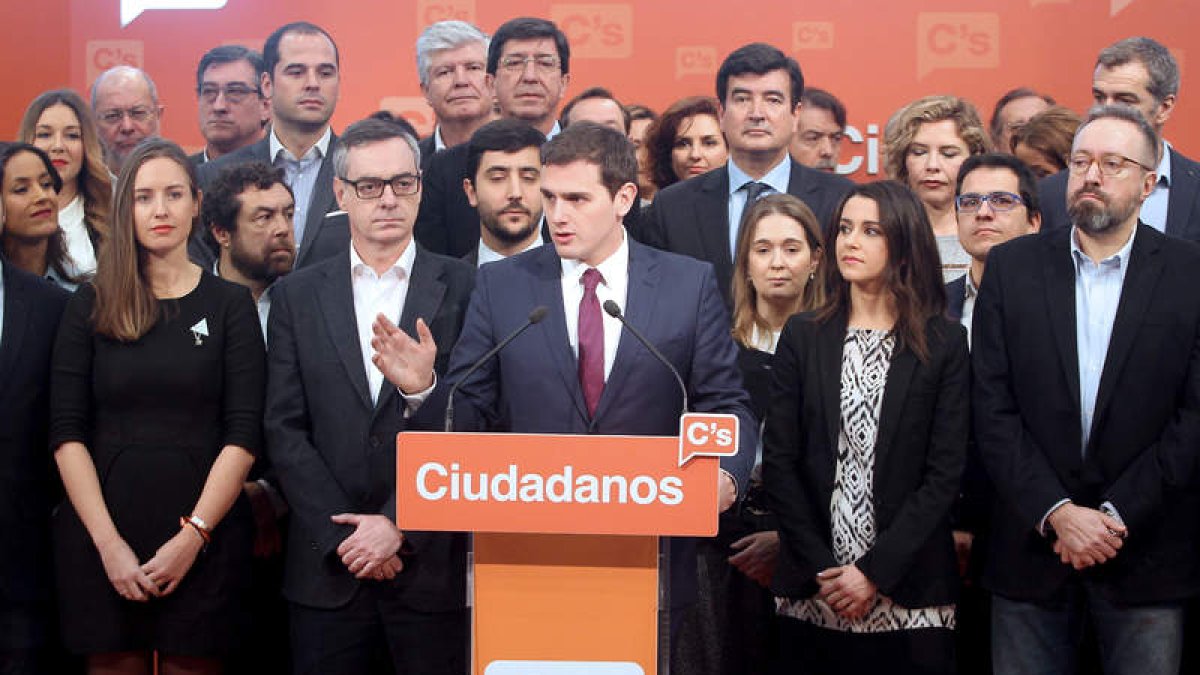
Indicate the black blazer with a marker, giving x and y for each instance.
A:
(332, 449)
(427, 146)
(322, 237)
(692, 217)
(1183, 207)
(956, 296)
(28, 487)
(919, 455)
(1145, 439)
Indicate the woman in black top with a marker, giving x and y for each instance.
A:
(157, 392)
(29, 231)
(864, 447)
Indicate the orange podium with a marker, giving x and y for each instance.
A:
(565, 570)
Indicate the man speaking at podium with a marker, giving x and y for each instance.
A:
(577, 371)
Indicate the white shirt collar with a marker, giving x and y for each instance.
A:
(615, 266)
(487, 255)
(777, 178)
(319, 150)
(403, 265)
(1121, 256)
(438, 143)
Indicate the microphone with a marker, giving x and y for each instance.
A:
(614, 311)
(535, 316)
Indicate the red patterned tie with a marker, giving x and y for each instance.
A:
(591, 341)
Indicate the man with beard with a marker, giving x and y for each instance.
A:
(504, 170)
(1086, 358)
(249, 209)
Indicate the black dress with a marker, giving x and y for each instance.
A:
(154, 415)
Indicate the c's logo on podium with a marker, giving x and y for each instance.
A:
(708, 435)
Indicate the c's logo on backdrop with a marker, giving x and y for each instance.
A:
(104, 54)
(432, 11)
(701, 60)
(957, 40)
(415, 109)
(812, 35)
(596, 31)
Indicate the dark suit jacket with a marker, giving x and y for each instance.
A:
(692, 216)
(426, 146)
(197, 159)
(28, 488)
(1183, 207)
(1145, 437)
(335, 452)
(956, 296)
(532, 386)
(920, 450)
(447, 223)
(322, 237)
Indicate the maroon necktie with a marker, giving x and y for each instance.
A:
(591, 341)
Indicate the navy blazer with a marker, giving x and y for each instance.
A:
(28, 483)
(692, 217)
(920, 451)
(332, 449)
(1183, 207)
(323, 237)
(1144, 447)
(532, 386)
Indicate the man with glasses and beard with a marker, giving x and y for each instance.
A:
(504, 170)
(1086, 358)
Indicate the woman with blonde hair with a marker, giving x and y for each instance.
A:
(924, 144)
(60, 123)
(157, 401)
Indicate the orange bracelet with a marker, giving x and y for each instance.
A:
(199, 526)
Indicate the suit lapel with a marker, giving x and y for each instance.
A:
(1059, 271)
(895, 392)
(831, 336)
(1137, 293)
(336, 298)
(548, 292)
(643, 280)
(1185, 182)
(712, 222)
(424, 298)
(16, 323)
(318, 203)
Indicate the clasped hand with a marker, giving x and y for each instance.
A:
(371, 551)
(847, 591)
(1086, 537)
(159, 576)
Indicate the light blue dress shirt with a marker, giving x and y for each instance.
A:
(776, 179)
(1154, 209)
(301, 175)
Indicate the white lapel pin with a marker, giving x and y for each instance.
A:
(199, 331)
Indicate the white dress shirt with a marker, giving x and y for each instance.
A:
(72, 221)
(615, 271)
(1154, 209)
(376, 294)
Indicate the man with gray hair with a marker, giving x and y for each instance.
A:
(1086, 359)
(452, 65)
(1141, 73)
(357, 585)
(125, 103)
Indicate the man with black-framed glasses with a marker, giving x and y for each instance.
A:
(233, 112)
(125, 103)
(358, 587)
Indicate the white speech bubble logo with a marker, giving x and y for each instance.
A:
(707, 435)
(132, 9)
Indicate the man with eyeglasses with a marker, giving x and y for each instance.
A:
(1141, 73)
(233, 111)
(1086, 358)
(125, 103)
(357, 585)
(528, 66)
(820, 130)
(301, 79)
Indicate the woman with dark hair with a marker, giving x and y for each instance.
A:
(29, 231)
(685, 142)
(157, 402)
(60, 123)
(863, 450)
(1044, 142)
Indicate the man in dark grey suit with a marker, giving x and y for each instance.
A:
(1141, 73)
(357, 585)
(233, 112)
(302, 76)
(759, 90)
(452, 65)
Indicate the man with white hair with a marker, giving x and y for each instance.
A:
(125, 103)
(452, 65)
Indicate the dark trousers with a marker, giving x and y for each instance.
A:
(373, 633)
(805, 649)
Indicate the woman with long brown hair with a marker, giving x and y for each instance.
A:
(157, 393)
(685, 142)
(60, 123)
(864, 447)
(29, 233)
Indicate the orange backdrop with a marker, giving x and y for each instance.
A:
(874, 54)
